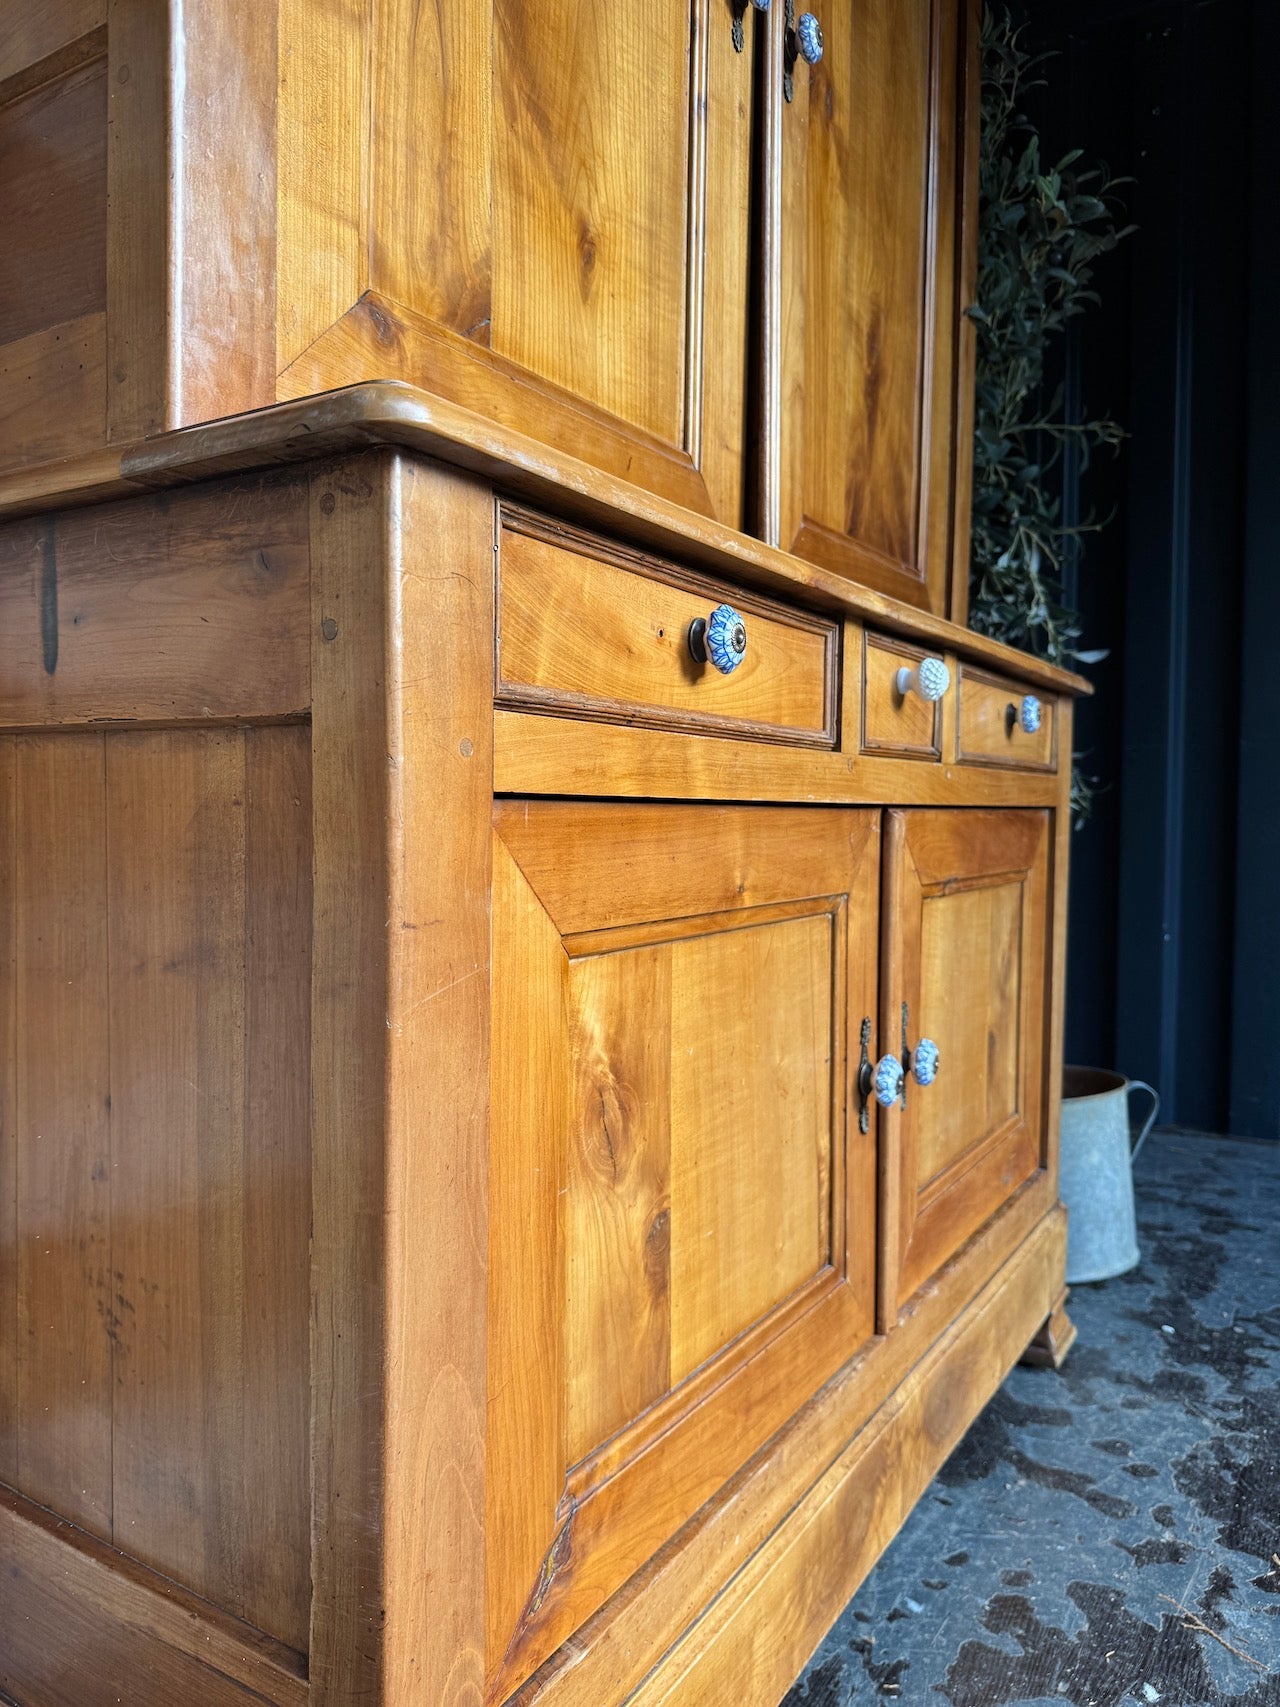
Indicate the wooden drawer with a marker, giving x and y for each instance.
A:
(893, 722)
(989, 728)
(588, 629)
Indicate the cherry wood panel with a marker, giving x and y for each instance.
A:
(10, 1409)
(966, 935)
(866, 169)
(686, 1238)
(402, 636)
(34, 34)
(160, 922)
(535, 754)
(53, 202)
(60, 1193)
(554, 211)
(987, 726)
(627, 1640)
(140, 613)
(552, 478)
(82, 1626)
(588, 629)
(53, 392)
(754, 1638)
(894, 722)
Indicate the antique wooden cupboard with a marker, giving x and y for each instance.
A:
(529, 1046)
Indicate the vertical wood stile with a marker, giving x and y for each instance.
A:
(401, 744)
(1057, 946)
(143, 352)
(967, 288)
(322, 217)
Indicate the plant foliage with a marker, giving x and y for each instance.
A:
(1040, 230)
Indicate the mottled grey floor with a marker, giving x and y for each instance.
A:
(1052, 1558)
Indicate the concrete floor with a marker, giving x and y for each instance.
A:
(1109, 1533)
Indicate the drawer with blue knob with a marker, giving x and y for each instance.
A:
(588, 629)
(1000, 722)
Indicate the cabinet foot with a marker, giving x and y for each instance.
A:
(1055, 1339)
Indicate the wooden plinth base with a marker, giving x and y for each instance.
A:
(1055, 1339)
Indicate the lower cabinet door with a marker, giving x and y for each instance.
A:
(681, 1207)
(965, 946)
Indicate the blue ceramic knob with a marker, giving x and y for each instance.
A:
(719, 639)
(760, 5)
(1029, 714)
(924, 1061)
(887, 1083)
(809, 38)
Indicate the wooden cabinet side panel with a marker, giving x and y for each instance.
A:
(210, 1164)
(32, 31)
(159, 915)
(59, 1192)
(53, 210)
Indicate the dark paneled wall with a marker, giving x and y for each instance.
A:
(1165, 960)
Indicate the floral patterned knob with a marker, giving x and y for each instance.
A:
(809, 38)
(1029, 714)
(930, 679)
(887, 1082)
(719, 639)
(924, 1061)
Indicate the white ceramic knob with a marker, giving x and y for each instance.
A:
(930, 679)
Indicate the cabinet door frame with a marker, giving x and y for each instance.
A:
(430, 289)
(919, 1220)
(568, 883)
(936, 577)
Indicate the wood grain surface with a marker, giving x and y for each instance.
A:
(159, 912)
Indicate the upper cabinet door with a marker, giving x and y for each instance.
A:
(556, 196)
(681, 1207)
(871, 163)
(965, 941)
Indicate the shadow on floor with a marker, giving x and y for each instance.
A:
(1109, 1533)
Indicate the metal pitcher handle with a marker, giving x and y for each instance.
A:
(1142, 1085)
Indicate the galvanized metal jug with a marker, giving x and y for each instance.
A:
(1097, 1171)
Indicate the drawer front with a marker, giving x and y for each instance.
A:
(893, 722)
(681, 1199)
(586, 629)
(990, 723)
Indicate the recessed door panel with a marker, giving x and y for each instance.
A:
(965, 943)
(621, 165)
(681, 1211)
(865, 327)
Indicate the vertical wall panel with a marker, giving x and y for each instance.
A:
(69, 1308)
(209, 900)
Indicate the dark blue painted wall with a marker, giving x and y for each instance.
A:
(1175, 921)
